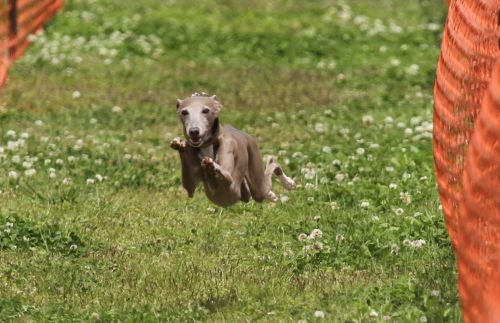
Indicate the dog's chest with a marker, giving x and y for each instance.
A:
(208, 152)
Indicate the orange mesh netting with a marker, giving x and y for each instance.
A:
(19, 19)
(467, 150)
(479, 226)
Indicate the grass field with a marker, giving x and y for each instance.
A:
(94, 224)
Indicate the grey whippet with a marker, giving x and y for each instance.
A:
(225, 159)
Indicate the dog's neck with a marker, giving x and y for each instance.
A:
(209, 148)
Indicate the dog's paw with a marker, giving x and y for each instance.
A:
(287, 182)
(272, 197)
(178, 144)
(208, 163)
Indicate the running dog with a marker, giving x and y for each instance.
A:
(226, 160)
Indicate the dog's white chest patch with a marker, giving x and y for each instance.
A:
(208, 151)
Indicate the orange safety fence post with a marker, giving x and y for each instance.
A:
(18, 20)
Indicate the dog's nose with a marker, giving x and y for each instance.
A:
(194, 132)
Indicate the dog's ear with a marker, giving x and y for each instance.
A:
(218, 106)
(178, 103)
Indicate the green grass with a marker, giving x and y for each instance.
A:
(340, 92)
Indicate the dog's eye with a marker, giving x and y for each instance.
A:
(206, 110)
(184, 112)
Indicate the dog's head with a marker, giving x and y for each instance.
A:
(199, 116)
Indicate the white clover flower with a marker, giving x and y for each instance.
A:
(16, 159)
(339, 237)
(76, 94)
(395, 62)
(360, 151)
(367, 119)
(71, 159)
(386, 318)
(399, 211)
(435, 293)
(12, 145)
(364, 204)
(432, 26)
(302, 237)
(27, 164)
(117, 109)
(319, 128)
(345, 131)
(25, 135)
(30, 172)
(90, 181)
(389, 169)
(318, 245)
(408, 131)
(394, 249)
(373, 313)
(73, 247)
(336, 162)
(67, 181)
(405, 198)
(334, 205)
(309, 173)
(59, 161)
(11, 133)
(374, 145)
(93, 120)
(317, 218)
(339, 177)
(417, 243)
(423, 319)
(326, 149)
(393, 186)
(319, 314)
(310, 186)
(413, 69)
(316, 234)
(284, 198)
(47, 161)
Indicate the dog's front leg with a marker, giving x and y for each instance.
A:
(221, 174)
(189, 164)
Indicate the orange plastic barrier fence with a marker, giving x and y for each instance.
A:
(467, 150)
(19, 19)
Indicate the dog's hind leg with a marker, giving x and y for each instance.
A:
(274, 168)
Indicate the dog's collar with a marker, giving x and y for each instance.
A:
(213, 137)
